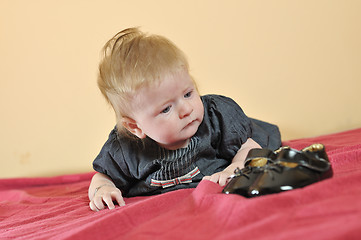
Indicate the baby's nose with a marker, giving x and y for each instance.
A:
(185, 110)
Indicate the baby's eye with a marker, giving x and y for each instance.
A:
(188, 94)
(165, 110)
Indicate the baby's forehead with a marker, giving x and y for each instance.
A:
(162, 76)
(172, 81)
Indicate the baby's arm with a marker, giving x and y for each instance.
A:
(238, 161)
(103, 190)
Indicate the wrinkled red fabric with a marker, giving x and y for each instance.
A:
(57, 207)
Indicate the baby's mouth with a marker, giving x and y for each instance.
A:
(190, 123)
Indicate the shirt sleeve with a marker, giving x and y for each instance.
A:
(229, 123)
(111, 162)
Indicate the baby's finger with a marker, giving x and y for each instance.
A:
(214, 178)
(98, 202)
(223, 179)
(207, 177)
(118, 197)
(93, 207)
(108, 201)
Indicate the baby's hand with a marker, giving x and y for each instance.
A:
(106, 194)
(221, 178)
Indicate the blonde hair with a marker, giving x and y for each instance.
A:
(133, 59)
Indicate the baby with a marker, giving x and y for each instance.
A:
(167, 136)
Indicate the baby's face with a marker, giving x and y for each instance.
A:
(169, 112)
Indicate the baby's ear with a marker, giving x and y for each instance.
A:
(132, 126)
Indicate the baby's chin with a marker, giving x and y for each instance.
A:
(186, 134)
(176, 145)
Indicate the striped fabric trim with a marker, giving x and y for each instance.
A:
(175, 163)
(187, 178)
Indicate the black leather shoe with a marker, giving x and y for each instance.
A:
(284, 170)
(241, 181)
(243, 178)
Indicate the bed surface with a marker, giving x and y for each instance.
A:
(57, 207)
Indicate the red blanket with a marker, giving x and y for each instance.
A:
(57, 207)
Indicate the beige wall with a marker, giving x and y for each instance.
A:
(294, 63)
